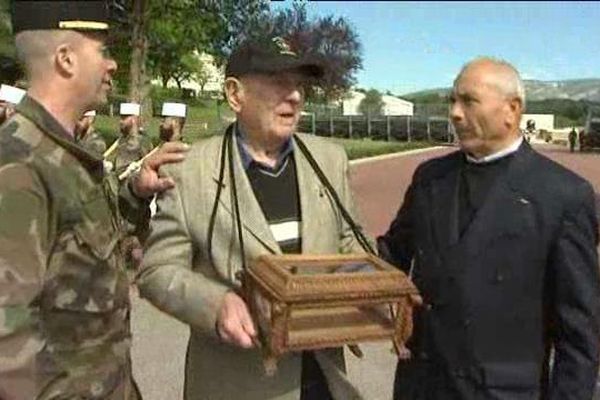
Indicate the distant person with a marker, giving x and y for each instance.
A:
(582, 140)
(10, 96)
(572, 139)
(132, 145)
(173, 121)
(87, 136)
(501, 242)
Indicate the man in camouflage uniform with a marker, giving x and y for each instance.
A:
(132, 145)
(87, 136)
(173, 121)
(64, 303)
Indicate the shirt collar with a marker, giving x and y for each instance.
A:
(46, 122)
(246, 157)
(514, 146)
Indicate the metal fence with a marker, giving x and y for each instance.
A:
(389, 128)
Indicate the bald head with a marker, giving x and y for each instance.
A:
(486, 105)
(497, 74)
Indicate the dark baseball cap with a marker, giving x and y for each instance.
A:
(72, 15)
(264, 57)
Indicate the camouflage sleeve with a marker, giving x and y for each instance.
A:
(147, 145)
(134, 210)
(98, 145)
(24, 233)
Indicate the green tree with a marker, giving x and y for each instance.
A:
(10, 70)
(237, 21)
(372, 103)
(330, 40)
(178, 31)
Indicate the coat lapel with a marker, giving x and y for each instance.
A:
(444, 200)
(309, 189)
(252, 217)
(505, 200)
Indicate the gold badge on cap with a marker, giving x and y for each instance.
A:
(92, 25)
(283, 46)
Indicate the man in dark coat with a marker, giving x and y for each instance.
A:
(572, 139)
(501, 241)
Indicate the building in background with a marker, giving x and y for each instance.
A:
(212, 84)
(392, 105)
(541, 121)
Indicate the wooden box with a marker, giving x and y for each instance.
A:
(309, 302)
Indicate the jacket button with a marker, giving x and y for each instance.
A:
(467, 322)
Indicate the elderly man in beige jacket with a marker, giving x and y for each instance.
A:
(192, 260)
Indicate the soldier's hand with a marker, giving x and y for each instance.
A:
(148, 182)
(234, 323)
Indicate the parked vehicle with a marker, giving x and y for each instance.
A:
(591, 139)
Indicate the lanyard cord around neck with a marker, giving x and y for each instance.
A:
(226, 152)
(362, 240)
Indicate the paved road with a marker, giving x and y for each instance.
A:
(160, 342)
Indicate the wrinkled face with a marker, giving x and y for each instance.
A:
(95, 69)
(271, 105)
(128, 124)
(83, 125)
(481, 114)
(170, 129)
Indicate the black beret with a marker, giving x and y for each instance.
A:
(75, 15)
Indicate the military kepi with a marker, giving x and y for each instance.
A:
(173, 110)
(129, 109)
(11, 94)
(73, 15)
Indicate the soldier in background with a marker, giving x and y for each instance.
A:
(10, 96)
(132, 145)
(582, 140)
(87, 136)
(171, 127)
(572, 139)
(64, 303)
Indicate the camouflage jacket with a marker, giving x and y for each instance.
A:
(93, 142)
(132, 147)
(64, 293)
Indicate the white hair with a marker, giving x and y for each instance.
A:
(508, 81)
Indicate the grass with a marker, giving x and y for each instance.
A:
(364, 148)
(207, 121)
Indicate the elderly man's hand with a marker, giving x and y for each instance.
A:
(147, 181)
(234, 323)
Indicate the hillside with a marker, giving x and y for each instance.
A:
(574, 89)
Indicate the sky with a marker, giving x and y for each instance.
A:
(412, 46)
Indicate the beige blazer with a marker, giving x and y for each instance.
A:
(179, 278)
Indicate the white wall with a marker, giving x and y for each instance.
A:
(391, 105)
(542, 121)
